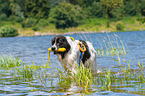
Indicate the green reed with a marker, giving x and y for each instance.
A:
(141, 66)
(27, 72)
(113, 45)
(9, 62)
(109, 45)
(14, 66)
(127, 75)
(107, 79)
(110, 79)
(83, 79)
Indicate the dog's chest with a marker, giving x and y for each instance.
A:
(63, 61)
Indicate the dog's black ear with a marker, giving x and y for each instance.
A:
(53, 41)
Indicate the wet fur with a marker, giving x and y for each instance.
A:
(70, 58)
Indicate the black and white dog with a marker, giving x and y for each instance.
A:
(71, 57)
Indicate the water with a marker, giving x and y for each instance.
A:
(34, 49)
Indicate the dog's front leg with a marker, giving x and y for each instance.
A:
(72, 63)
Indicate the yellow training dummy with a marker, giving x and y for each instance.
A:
(59, 50)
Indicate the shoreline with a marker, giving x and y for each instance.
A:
(71, 33)
(94, 25)
(66, 33)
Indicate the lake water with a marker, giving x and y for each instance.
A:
(34, 49)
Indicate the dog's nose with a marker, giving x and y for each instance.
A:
(53, 48)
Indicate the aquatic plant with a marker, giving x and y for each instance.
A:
(83, 79)
(9, 61)
(15, 66)
(113, 45)
(106, 80)
(27, 72)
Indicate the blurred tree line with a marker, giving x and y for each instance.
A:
(66, 13)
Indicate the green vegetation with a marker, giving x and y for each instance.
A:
(29, 22)
(113, 46)
(65, 15)
(25, 71)
(89, 25)
(61, 16)
(120, 26)
(83, 79)
(107, 79)
(9, 62)
(125, 76)
(38, 9)
(8, 31)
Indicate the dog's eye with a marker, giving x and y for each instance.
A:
(58, 43)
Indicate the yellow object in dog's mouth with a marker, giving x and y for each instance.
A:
(59, 50)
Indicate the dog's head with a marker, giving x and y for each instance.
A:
(60, 41)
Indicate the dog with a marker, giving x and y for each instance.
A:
(71, 58)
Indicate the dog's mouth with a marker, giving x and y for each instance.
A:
(55, 52)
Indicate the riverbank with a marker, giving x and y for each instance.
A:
(95, 25)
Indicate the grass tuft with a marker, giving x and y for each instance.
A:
(113, 46)
(83, 79)
(9, 62)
